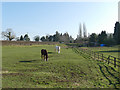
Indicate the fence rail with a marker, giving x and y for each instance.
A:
(99, 56)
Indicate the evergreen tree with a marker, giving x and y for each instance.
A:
(43, 38)
(47, 38)
(80, 32)
(102, 37)
(71, 39)
(50, 38)
(84, 30)
(26, 38)
(57, 36)
(116, 34)
(109, 41)
(93, 39)
(21, 38)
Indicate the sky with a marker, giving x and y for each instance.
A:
(45, 18)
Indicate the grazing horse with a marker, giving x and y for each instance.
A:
(44, 52)
(57, 48)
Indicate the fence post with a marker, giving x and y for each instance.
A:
(114, 61)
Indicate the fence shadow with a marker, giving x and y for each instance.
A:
(105, 74)
(107, 71)
(111, 51)
(82, 54)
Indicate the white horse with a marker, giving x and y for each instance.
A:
(57, 49)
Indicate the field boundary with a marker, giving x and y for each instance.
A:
(99, 56)
(27, 43)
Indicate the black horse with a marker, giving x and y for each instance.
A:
(44, 52)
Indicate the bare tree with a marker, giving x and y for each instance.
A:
(65, 38)
(8, 34)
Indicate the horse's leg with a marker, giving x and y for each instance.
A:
(41, 56)
(59, 51)
(44, 57)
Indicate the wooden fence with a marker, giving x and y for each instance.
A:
(99, 56)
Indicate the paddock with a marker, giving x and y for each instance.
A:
(23, 67)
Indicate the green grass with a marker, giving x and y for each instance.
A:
(113, 51)
(23, 68)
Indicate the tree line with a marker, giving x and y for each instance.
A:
(10, 35)
(58, 37)
(104, 38)
(92, 40)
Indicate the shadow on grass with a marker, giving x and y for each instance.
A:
(51, 52)
(104, 70)
(110, 74)
(28, 61)
(111, 51)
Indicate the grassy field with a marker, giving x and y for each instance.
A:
(23, 68)
(113, 51)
